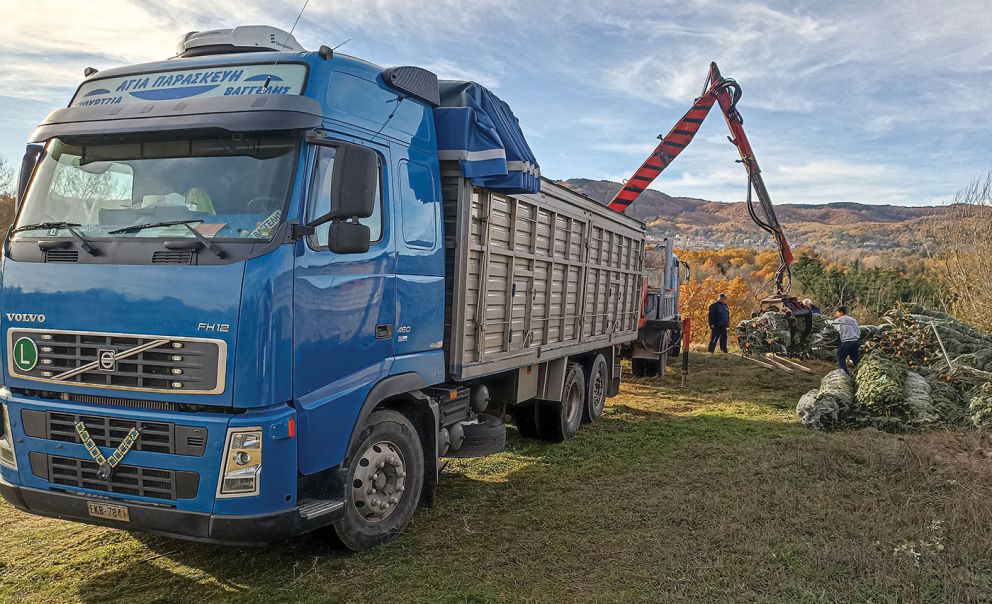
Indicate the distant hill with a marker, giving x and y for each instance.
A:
(842, 229)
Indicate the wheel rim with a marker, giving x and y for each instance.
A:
(573, 413)
(598, 392)
(379, 482)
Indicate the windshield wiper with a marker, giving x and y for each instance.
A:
(134, 228)
(210, 245)
(67, 226)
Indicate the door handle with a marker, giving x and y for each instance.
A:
(383, 332)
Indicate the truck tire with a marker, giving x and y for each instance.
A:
(645, 367)
(654, 367)
(558, 421)
(385, 476)
(525, 418)
(486, 437)
(597, 383)
(637, 367)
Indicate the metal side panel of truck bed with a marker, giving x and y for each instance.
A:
(532, 278)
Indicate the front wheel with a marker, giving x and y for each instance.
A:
(385, 476)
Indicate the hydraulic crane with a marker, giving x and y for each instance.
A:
(725, 92)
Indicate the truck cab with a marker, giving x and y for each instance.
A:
(227, 293)
(660, 333)
(159, 283)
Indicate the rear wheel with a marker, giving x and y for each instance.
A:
(525, 417)
(597, 382)
(559, 421)
(637, 367)
(385, 476)
(646, 367)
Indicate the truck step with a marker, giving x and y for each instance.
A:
(320, 507)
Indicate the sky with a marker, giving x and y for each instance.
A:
(883, 102)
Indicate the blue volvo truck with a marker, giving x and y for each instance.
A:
(254, 291)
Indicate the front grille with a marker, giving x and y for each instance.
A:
(109, 432)
(124, 403)
(61, 256)
(118, 361)
(173, 257)
(131, 481)
(119, 402)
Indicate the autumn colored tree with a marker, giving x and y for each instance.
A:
(965, 253)
(695, 298)
(869, 292)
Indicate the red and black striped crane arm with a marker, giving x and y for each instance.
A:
(671, 145)
(726, 93)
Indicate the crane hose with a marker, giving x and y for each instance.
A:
(784, 270)
(765, 223)
(735, 92)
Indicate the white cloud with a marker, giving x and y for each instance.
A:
(865, 101)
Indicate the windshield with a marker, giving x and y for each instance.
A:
(226, 186)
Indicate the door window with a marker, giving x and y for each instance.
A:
(320, 199)
(419, 204)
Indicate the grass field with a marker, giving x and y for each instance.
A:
(711, 493)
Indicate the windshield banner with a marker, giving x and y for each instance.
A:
(228, 80)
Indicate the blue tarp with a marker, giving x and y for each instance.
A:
(480, 131)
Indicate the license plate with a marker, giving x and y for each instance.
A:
(108, 511)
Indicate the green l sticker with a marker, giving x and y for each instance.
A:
(25, 354)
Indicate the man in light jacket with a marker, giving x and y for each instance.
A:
(850, 339)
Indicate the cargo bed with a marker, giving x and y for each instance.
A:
(532, 278)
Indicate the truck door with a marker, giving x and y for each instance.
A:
(419, 258)
(344, 303)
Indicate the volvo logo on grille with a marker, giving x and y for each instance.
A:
(25, 317)
(108, 360)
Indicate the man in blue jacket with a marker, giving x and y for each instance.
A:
(719, 322)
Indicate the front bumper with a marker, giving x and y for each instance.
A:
(196, 526)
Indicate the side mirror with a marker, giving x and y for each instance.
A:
(353, 191)
(688, 272)
(32, 155)
(354, 183)
(348, 238)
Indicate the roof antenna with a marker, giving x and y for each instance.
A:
(268, 80)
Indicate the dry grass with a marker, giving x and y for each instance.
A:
(710, 493)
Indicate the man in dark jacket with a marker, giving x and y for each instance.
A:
(719, 321)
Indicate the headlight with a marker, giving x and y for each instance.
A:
(240, 473)
(7, 456)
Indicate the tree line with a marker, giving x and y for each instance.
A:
(7, 184)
